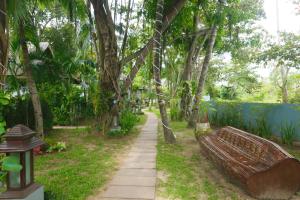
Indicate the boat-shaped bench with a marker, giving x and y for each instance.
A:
(262, 167)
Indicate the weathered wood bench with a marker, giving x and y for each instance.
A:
(262, 167)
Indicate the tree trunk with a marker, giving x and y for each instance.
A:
(185, 100)
(109, 73)
(168, 134)
(4, 37)
(38, 115)
(187, 72)
(285, 98)
(186, 95)
(141, 54)
(284, 71)
(109, 64)
(198, 95)
(92, 32)
(126, 29)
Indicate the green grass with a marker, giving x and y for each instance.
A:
(156, 112)
(210, 189)
(293, 150)
(84, 167)
(142, 120)
(182, 169)
(187, 176)
(181, 182)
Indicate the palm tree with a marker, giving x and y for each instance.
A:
(38, 115)
(23, 16)
(4, 36)
(168, 134)
(198, 95)
(210, 46)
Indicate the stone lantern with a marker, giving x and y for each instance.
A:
(19, 143)
(115, 112)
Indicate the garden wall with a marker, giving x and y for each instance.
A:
(263, 119)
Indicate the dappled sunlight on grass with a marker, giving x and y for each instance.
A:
(84, 167)
(185, 174)
(180, 164)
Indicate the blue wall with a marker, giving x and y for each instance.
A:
(275, 115)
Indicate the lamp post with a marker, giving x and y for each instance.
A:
(19, 143)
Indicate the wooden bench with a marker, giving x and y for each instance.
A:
(262, 167)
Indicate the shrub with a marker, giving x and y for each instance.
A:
(204, 107)
(20, 111)
(59, 146)
(67, 104)
(288, 132)
(263, 129)
(127, 120)
(225, 114)
(174, 110)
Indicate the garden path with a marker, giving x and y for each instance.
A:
(136, 178)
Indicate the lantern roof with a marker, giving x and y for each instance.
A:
(19, 138)
(19, 132)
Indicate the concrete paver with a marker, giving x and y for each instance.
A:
(130, 192)
(136, 178)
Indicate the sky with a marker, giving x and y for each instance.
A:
(289, 21)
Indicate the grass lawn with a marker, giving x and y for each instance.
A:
(84, 167)
(182, 172)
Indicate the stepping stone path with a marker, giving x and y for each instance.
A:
(136, 178)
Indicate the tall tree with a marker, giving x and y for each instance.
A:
(126, 28)
(187, 72)
(191, 59)
(110, 67)
(284, 56)
(38, 115)
(142, 53)
(4, 36)
(168, 134)
(198, 95)
(210, 46)
(110, 63)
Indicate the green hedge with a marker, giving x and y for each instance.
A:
(262, 119)
(20, 111)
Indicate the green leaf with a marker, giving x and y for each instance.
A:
(11, 164)
(2, 130)
(2, 127)
(2, 176)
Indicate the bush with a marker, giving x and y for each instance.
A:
(20, 111)
(59, 146)
(225, 114)
(67, 104)
(175, 110)
(204, 107)
(288, 133)
(127, 120)
(263, 129)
